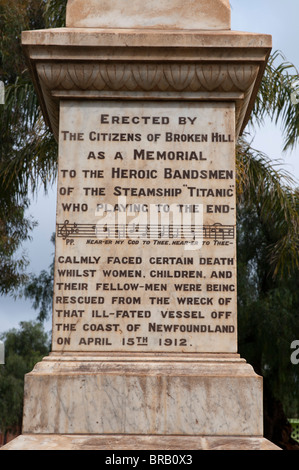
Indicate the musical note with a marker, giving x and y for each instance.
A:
(145, 231)
(133, 230)
(120, 231)
(216, 231)
(174, 231)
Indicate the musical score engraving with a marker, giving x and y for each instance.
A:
(66, 230)
(216, 231)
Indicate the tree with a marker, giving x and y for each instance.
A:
(14, 229)
(39, 288)
(23, 349)
(28, 151)
(268, 323)
(271, 190)
(268, 256)
(274, 98)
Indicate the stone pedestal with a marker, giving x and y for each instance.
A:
(120, 402)
(166, 376)
(159, 395)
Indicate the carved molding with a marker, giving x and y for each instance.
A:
(108, 64)
(148, 77)
(143, 80)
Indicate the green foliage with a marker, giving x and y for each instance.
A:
(274, 98)
(40, 290)
(16, 17)
(265, 185)
(55, 13)
(23, 349)
(28, 152)
(14, 229)
(268, 271)
(268, 311)
(27, 149)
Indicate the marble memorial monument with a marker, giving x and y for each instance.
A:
(146, 101)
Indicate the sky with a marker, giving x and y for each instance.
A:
(281, 20)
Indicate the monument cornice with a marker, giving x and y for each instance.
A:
(92, 64)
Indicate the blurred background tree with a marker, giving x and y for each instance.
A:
(28, 152)
(23, 349)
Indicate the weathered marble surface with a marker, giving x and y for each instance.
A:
(216, 395)
(118, 318)
(174, 14)
(100, 442)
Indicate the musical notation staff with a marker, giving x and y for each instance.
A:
(216, 231)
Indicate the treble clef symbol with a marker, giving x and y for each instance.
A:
(65, 231)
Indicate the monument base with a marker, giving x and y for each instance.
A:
(135, 443)
(154, 401)
(154, 394)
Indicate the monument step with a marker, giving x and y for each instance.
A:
(135, 443)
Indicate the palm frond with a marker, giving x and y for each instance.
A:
(28, 152)
(270, 189)
(274, 98)
(55, 13)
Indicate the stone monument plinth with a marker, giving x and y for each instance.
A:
(146, 101)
